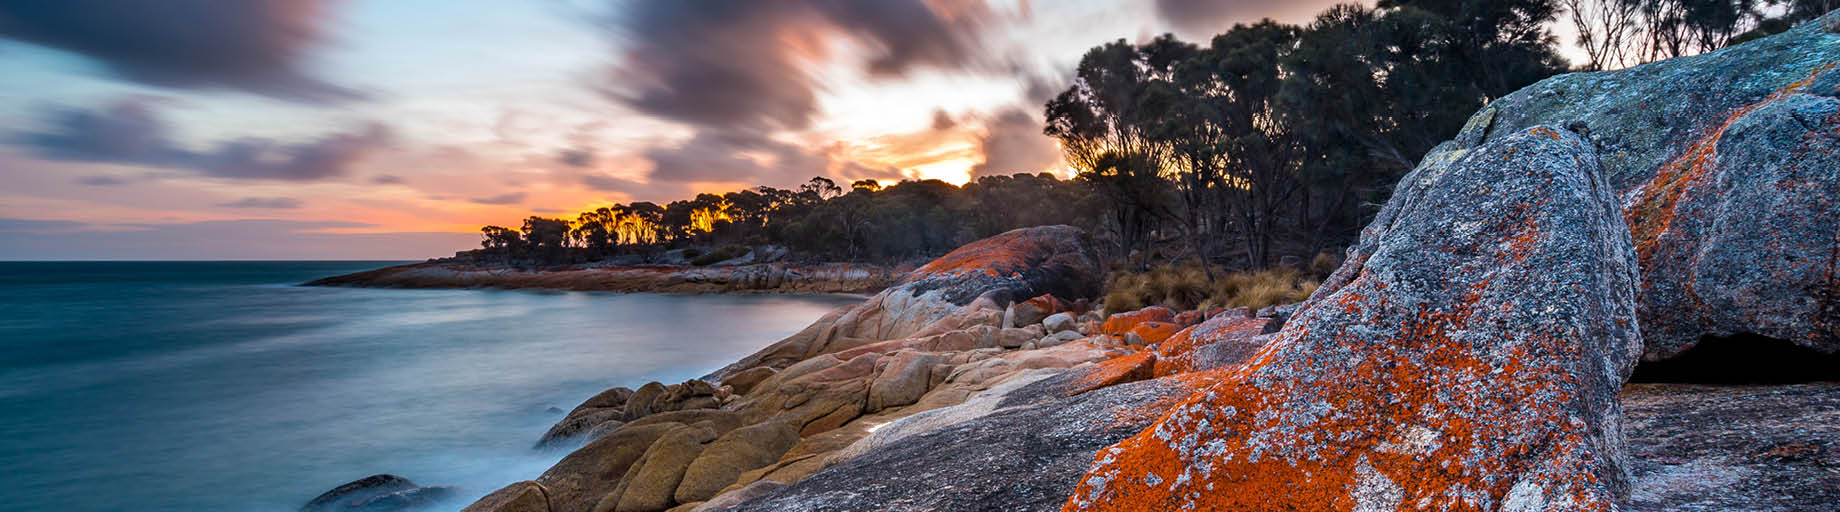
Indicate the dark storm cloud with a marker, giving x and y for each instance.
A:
(501, 199)
(738, 63)
(258, 46)
(278, 203)
(1208, 17)
(131, 132)
(1013, 143)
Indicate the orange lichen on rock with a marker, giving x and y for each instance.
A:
(1047, 303)
(1115, 371)
(1003, 255)
(1656, 202)
(1178, 354)
(1155, 332)
(1468, 360)
(1121, 323)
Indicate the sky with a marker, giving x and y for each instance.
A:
(394, 129)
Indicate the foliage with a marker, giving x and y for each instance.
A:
(1269, 142)
(911, 220)
(1620, 33)
(1191, 286)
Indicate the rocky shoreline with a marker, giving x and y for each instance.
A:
(1472, 352)
(752, 278)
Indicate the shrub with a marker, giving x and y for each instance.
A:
(720, 255)
(1194, 286)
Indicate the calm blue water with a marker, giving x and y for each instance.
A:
(202, 386)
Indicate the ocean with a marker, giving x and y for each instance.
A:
(205, 386)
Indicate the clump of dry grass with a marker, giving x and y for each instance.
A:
(1192, 286)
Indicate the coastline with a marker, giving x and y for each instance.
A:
(761, 278)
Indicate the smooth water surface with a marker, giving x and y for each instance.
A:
(202, 386)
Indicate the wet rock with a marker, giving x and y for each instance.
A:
(344, 496)
(419, 498)
(1470, 350)
(525, 496)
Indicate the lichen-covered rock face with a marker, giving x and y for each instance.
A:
(972, 285)
(1726, 171)
(1466, 357)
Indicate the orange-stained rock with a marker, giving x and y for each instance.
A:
(1156, 332)
(1222, 340)
(1118, 324)
(1115, 371)
(963, 289)
(1466, 357)
(1187, 318)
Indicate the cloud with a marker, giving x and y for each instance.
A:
(281, 203)
(1208, 17)
(742, 75)
(256, 46)
(580, 158)
(1013, 143)
(386, 179)
(131, 132)
(220, 240)
(508, 198)
(943, 121)
(100, 181)
(741, 63)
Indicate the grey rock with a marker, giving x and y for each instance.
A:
(1720, 448)
(1488, 310)
(1724, 166)
(1024, 457)
(1059, 338)
(1060, 322)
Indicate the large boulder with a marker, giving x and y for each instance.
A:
(581, 479)
(985, 275)
(739, 451)
(651, 482)
(1467, 355)
(1724, 164)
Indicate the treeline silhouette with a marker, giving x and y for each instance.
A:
(1262, 147)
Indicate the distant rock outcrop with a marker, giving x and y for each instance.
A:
(1728, 170)
(753, 278)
